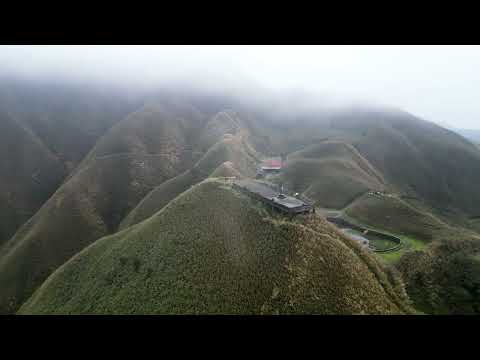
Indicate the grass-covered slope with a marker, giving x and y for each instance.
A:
(423, 159)
(224, 122)
(227, 169)
(215, 251)
(231, 148)
(136, 155)
(29, 174)
(46, 130)
(161, 196)
(444, 278)
(332, 173)
(88, 206)
(396, 215)
(157, 128)
(232, 154)
(414, 156)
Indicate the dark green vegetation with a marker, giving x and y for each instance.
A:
(211, 251)
(445, 277)
(439, 263)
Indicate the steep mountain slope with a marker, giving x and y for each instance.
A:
(142, 151)
(29, 174)
(229, 258)
(224, 122)
(67, 118)
(332, 173)
(232, 148)
(46, 130)
(227, 169)
(423, 159)
(413, 156)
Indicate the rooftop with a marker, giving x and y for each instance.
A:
(269, 193)
(272, 164)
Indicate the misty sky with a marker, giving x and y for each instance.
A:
(437, 83)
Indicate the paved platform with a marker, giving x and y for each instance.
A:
(273, 196)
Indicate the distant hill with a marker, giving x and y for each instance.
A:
(413, 156)
(230, 156)
(46, 131)
(472, 135)
(29, 174)
(332, 173)
(228, 258)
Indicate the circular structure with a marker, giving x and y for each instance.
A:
(373, 237)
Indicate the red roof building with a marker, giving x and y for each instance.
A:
(272, 164)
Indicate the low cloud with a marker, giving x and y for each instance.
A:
(438, 83)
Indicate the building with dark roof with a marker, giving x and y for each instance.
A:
(279, 201)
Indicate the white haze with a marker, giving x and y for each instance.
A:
(437, 83)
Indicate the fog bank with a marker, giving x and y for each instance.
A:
(437, 83)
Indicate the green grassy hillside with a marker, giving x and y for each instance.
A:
(29, 174)
(47, 129)
(227, 169)
(331, 173)
(413, 156)
(88, 206)
(94, 200)
(224, 122)
(445, 277)
(396, 215)
(423, 159)
(231, 149)
(67, 118)
(235, 149)
(215, 251)
(167, 146)
(157, 128)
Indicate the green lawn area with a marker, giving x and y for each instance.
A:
(380, 243)
(409, 243)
